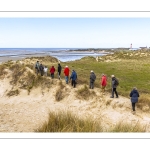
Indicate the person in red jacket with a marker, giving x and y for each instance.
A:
(52, 70)
(103, 83)
(66, 73)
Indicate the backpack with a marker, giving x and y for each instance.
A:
(116, 82)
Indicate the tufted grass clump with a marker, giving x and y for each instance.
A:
(67, 122)
(84, 92)
(127, 127)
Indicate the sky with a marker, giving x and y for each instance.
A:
(74, 32)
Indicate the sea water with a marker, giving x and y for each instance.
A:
(62, 54)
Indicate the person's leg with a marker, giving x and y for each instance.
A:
(112, 93)
(103, 89)
(133, 106)
(72, 82)
(116, 92)
(92, 85)
(52, 75)
(59, 75)
(37, 71)
(66, 78)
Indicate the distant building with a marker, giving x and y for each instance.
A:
(131, 46)
(143, 47)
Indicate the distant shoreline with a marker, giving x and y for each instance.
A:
(69, 55)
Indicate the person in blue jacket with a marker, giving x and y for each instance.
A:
(134, 94)
(73, 77)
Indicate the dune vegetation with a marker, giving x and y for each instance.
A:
(63, 121)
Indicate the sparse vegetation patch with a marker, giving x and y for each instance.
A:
(13, 93)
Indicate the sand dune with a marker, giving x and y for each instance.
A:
(26, 112)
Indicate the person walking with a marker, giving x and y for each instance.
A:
(103, 83)
(66, 73)
(92, 79)
(73, 77)
(114, 85)
(52, 71)
(134, 94)
(37, 67)
(41, 69)
(45, 70)
(59, 70)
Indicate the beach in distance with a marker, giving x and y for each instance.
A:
(62, 54)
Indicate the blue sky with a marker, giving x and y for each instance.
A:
(74, 32)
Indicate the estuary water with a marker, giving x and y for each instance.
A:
(62, 54)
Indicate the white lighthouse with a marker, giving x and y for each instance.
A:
(131, 46)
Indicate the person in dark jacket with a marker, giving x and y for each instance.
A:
(92, 79)
(73, 77)
(59, 71)
(114, 87)
(134, 94)
(41, 69)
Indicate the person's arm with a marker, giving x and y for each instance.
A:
(138, 94)
(131, 94)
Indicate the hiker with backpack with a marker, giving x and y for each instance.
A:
(103, 83)
(114, 84)
(92, 79)
(52, 71)
(134, 94)
(37, 67)
(41, 69)
(73, 77)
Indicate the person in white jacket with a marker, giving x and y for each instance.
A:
(45, 70)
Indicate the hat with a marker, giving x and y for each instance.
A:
(91, 70)
(112, 76)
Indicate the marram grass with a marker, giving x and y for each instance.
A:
(68, 122)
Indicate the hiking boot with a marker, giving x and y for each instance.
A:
(133, 112)
(111, 97)
(117, 97)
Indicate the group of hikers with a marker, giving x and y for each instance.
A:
(40, 69)
(134, 94)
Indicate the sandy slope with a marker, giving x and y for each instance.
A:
(26, 113)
